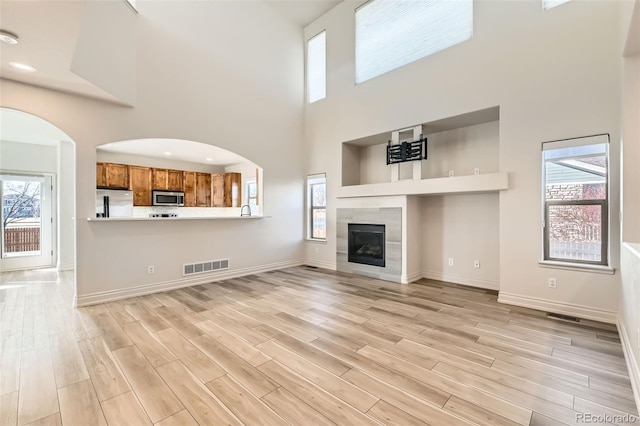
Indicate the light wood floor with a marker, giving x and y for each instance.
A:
(301, 346)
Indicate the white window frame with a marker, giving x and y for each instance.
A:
(392, 34)
(550, 4)
(315, 179)
(316, 67)
(605, 252)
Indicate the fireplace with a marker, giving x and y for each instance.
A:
(366, 244)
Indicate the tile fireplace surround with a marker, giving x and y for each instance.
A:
(391, 217)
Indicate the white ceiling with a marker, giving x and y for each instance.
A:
(193, 152)
(48, 32)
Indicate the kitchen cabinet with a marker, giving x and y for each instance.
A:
(189, 189)
(203, 189)
(141, 185)
(232, 189)
(168, 180)
(217, 190)
(112, 176)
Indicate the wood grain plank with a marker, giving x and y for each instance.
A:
(107, 378)
(125, 410)
(249, 409)
(241, 370)
(197, 362)
(52, 420)
(344, 390)
(9, 409)
(38, 396)
(290, 407)
(79, 405)
(154, 395)
(155, 351)
(113, 335)
(327, 404)
(387, 414)
(476, 414)
(197, 399)
(235, 344)
(181, 418)
(10, 356)
(68, 364)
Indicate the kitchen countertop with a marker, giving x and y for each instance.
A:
(148, 219)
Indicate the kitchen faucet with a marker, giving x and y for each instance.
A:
(242, 213)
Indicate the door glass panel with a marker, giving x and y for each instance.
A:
(21, 218)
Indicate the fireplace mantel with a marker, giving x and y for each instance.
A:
(489, 182)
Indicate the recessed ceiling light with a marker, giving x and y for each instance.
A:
(168, 154)
(209, 159)
(7, 37)
(22, 67)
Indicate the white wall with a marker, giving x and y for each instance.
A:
(549, 82)
(144, 161)
(464, 227)
(56, 159)
(629, 318)
(66, 206)
(210, 72)
(27, 157)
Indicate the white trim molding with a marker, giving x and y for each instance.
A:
(320, 264)
(66, 267)
(633, 364)
(407, 279)
(546, 305)
(141, 290)
(459, 279)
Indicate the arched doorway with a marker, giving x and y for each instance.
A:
(37, 185)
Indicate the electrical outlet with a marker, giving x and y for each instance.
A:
(451, 261)
(151, 269)
(450, 173)
(552, 283)
(476, 171)
(476, 264)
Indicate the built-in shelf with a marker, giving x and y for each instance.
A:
(158, 219)
(490, 182)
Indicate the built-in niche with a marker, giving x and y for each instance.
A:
(175, 178)
(463, 145)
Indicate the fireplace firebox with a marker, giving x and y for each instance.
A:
(366, 244)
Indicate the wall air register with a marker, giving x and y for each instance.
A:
(204, 267)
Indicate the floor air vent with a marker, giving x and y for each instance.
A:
(204, 267)
(562, 317)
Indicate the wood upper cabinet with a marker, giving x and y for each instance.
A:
(203, 189)
(168, 180)
(189, 189)
(232, 189)
(217, 190)
(112, 176)
(141, 185)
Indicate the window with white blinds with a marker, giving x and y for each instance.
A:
(317, 67)
(393, 33)
(548, 4)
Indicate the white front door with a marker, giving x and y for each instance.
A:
(26, 221)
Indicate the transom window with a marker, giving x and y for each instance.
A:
(393, 33)
(576, 197)
(317, 67)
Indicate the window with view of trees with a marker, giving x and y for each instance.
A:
(317, 205)
(576, 200)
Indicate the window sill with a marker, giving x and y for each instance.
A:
(316, 240)
(580, 267)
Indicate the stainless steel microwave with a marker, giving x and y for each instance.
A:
(168, 198)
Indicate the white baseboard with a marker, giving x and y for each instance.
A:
(458, 279)
(321, 264)
(633, 364)
(546, 305)
(66, 267)
(110, 295)
(409, 278)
